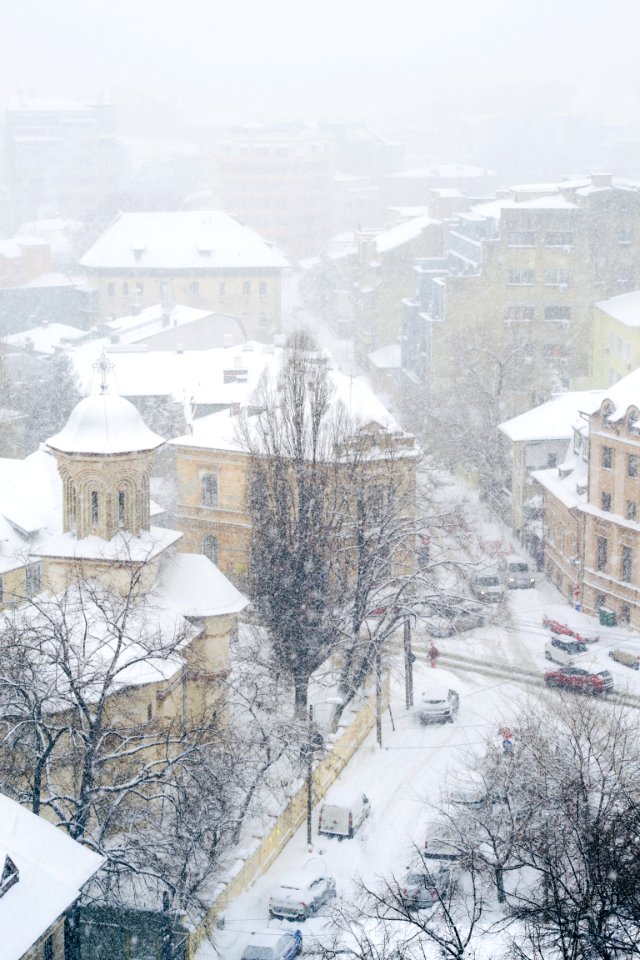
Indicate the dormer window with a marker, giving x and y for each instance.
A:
(10, 875)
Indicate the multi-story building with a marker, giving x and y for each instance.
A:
(61, 156)
(204, 259)
(522, 275)
(279, 180)
(213, 467)
(616, 341)
(592, 506)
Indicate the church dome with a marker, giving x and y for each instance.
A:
(105, 423)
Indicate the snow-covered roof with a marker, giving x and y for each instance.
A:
(52, 869)
(402, 233)
(569, 491)
(152, 320)
(198, 588)
(45, 339)
(442, 171)
(146, 546)
(625, 308)
(181, 240)
(30, 506)
(218, 431)
(554, 419)
(105, 424)
(624, 394)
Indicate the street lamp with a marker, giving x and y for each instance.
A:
(312, 746)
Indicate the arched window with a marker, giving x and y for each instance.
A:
(210, 548)
(121, 509)
(94, 508)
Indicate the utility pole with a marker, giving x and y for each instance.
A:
(408, 664)
(310, 776)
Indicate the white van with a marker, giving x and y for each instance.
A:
(340, 815)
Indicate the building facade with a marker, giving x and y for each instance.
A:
(200, 259)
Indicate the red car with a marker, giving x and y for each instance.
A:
(580, 680)
(564, 630)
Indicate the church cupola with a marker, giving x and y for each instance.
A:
(105, 456)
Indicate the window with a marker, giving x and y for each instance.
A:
(221, 289)
(606, 501)
(47, 953)
(625, 235)
(625, 613)
(139, 289)
(607, 458)
(632, 465)
(94, 508)
(519, 313)
(632, 509)
(210, 489)
(262, 288)
(552, 459)
(558, 238)
(246, 288)
(111, 289)
(210, 548)
(557, 278)
(125, 289)
(521, 277)
(1, 591)
(121, 508)
(626, 567)
(602, 547)
(149, 711)
(194, 289)
(32, 579)
(558, 314)
(522, 238)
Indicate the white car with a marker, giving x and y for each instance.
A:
(441, 843)
(438, 704)
(301, 897)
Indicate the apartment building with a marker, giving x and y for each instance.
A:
(616, 343)
(521, 276)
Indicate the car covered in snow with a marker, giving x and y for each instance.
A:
(440, 843)
(445, 618)
(422, 888)
(626, 657)
(273, 945)
(437, 704)
(467, 789)
(301, 897)
(342, 814)
(580, 680)
(487, 587)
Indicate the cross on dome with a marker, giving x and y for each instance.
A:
(104, 366)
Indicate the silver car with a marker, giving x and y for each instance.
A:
(438, 704)
(422, 888)
(299, 898)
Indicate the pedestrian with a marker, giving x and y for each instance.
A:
(433, 654)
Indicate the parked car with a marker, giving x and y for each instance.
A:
(422, 888)
(340, 816)
(440, 843)
(564, 630)
(273, 945)
(626, 657)
(487, 587)
(580, 680)
(301, 897)
(446, 618)
(516, 573)
(469, 789)
(438, 704)
(563, 651)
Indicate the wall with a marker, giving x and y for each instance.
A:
(294, 814)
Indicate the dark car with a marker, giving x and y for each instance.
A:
(580, 680)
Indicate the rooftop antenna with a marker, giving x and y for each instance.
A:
(104, 366)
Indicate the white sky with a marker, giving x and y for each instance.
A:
(317, 56)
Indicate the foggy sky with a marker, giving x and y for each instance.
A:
(292, 57)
